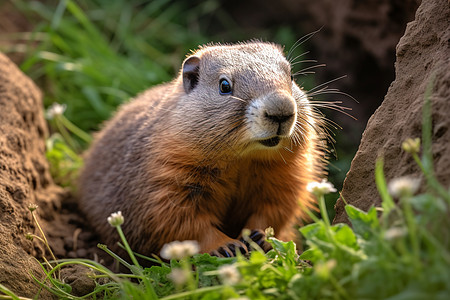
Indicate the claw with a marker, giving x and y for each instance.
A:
(229, 250)
(259, 237)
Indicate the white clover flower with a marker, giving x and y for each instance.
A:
(395, 232)
(403, 186)
(179, 276)
(32, 207)
(179, 250)
(116, 219)
(320, 188)
(229, 274)
(55, 109)
(411, 145)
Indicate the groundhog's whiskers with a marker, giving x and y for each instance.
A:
(304, 71)
(303, 61)
(281, 155)
(324, 85)
(287, 149)
(325, 125)
(326, 90)
(298, 136)
(332, 106)
(299, 42)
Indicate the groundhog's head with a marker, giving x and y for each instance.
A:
(242, 100)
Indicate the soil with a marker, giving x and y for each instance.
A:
(25, 180)
(24, 170)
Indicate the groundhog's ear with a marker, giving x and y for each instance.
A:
(191, 69)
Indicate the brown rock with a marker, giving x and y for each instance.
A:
(77, 276)
(423, 52)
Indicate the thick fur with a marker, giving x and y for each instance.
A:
(188, 165)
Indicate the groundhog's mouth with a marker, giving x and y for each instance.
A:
(272, 142)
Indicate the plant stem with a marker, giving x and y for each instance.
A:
(65, 134)
(147, 284)
(411, 223)
(188, 268)
(10, 294)
(326, 220)
(338, 287)
(323, 211)
(74, 129)
(113, 255)
(43, 235)
(431, 179)
(127, 246)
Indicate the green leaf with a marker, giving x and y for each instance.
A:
(429, 204)
(313, 230)
(257, 257)
(158, 274)
(427, 156)
(286, 248)
(364, 223)
(387, 202)
(345, 235)
(312, 254)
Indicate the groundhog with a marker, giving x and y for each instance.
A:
(230, 143)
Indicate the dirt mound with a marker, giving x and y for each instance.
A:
(423, 52)
(25, 180)
(24, 176)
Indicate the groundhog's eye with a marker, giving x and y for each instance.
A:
(224, 87)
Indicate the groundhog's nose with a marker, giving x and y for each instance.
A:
(279, 118)
(281, 109)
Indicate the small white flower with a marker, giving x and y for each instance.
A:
(320, 188)
(116, 219)
(32, 207)
(55, 109)
(178, 276)
(179, 250)
(229, 274)
(403, 186)
(394, 233)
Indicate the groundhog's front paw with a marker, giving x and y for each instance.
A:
(259, 237)
(229, 249)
